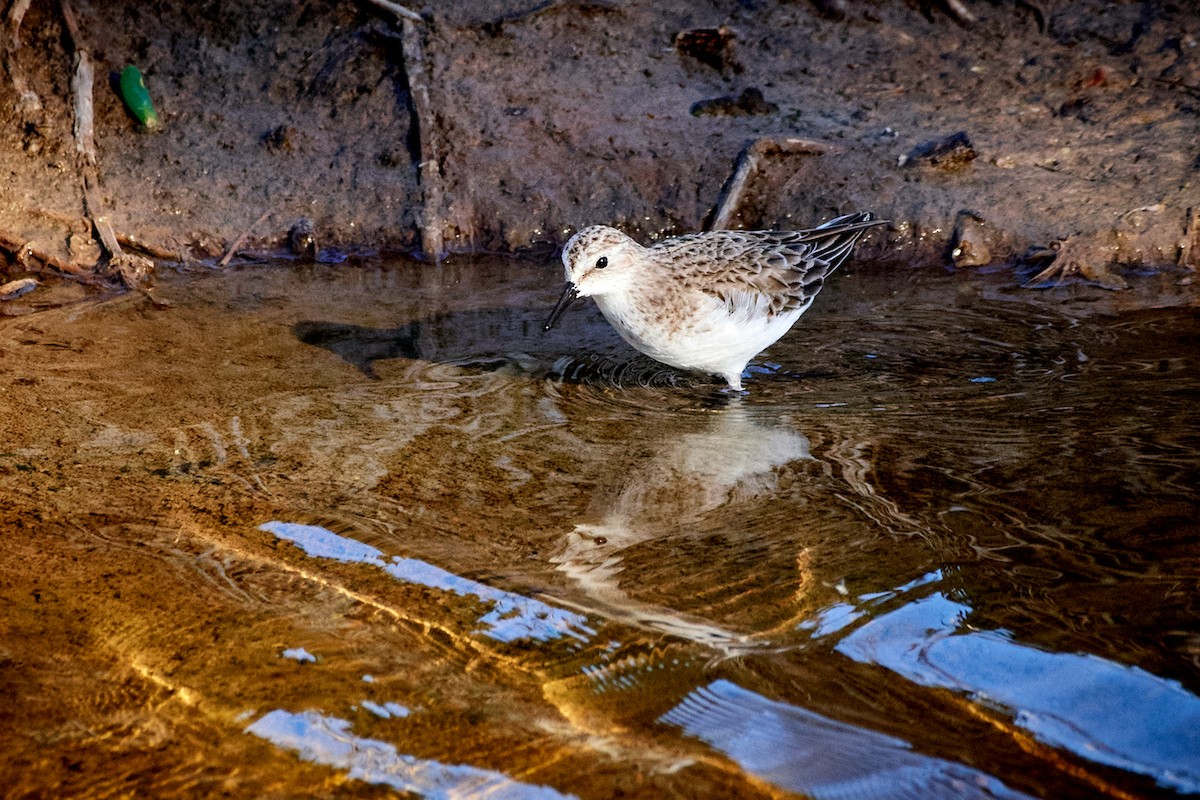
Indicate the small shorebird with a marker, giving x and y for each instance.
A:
(705, 301)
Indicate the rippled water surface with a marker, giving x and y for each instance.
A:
(362, 531)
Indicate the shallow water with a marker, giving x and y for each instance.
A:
(358, 530)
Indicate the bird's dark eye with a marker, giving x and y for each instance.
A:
(601, 262)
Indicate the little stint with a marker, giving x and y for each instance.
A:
(706, 301)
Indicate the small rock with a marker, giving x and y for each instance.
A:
(83, 249)
(749, 103)
(132, 270)
(14, 289)
(32, 140)
(712, 47)
(1149, 236)
(279, 139)
(302, 241)
(970, 241)
(950, 153)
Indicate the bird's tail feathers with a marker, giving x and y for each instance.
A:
(835, 239)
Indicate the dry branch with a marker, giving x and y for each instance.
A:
(429, 170)
(28, 103)
(85, 126)
(748, 162)
(130, 269)
(1189, 253)
(429, 166)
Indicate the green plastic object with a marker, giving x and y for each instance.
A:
(137, 98)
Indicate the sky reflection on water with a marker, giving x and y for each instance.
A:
(1106, 712)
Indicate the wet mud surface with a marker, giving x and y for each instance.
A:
(1072, 127)
(351, 531)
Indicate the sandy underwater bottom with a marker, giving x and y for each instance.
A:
(364, 530)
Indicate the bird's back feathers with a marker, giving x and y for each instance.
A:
(775, 271)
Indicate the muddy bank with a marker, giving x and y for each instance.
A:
(1058, 135)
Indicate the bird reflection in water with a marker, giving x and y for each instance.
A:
(673, 482)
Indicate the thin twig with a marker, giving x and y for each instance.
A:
(74, 221)
(24, 251)
(104, 228)
(239, 241)
(397, 9)
(161, 253)
(960, 12)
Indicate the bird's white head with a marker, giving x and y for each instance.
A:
(597, 261)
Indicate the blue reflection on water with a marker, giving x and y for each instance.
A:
(832, 619)
(388, 710)
(1103, 711)
(327, 740)
(804, 752)
(513, 616)
(299, 654)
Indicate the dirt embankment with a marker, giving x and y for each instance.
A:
(1060, 135)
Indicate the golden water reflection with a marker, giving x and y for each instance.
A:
(309, 533)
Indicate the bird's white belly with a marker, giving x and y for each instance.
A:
(716, 341)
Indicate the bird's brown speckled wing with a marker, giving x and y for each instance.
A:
(775, 271)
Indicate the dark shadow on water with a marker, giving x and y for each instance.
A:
(504, 339)
(361, 346)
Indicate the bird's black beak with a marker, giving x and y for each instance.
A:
(570, 293)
